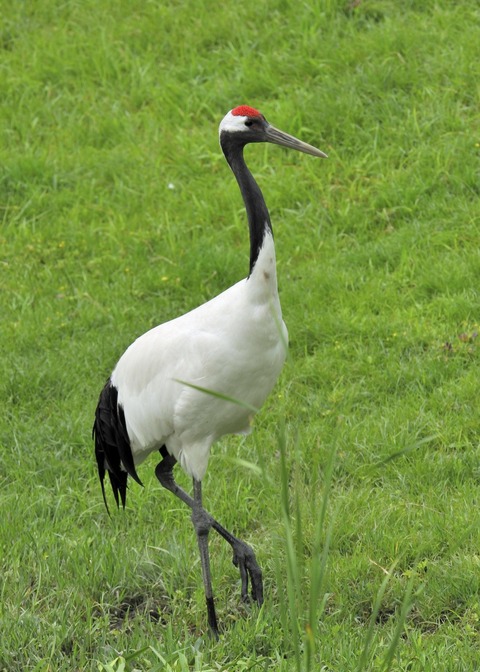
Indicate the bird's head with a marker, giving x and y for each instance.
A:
(245, 124)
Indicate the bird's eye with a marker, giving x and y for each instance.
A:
(249, 122)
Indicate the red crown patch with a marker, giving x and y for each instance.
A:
(245, 111)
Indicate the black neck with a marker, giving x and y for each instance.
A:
(257, 212)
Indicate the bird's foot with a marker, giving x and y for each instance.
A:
(244, 558)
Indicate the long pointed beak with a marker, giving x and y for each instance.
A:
(285, 140)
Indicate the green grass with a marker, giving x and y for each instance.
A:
(119, 212)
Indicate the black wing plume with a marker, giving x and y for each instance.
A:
(112, 444)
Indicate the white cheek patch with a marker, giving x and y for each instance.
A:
(232, 123)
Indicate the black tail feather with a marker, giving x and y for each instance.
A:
(112, 445)
(119, 485)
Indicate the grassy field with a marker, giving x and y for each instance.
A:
(359, 487)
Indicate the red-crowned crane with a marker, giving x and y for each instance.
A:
(173, 388)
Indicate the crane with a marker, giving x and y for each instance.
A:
(186, 383)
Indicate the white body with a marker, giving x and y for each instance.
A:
(234, 345)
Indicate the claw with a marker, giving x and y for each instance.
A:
(244, 558)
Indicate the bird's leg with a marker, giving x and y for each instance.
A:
(202, 523)
(243, 555)
(164, 473)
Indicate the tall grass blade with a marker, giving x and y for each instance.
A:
(289, 608)
(219, 395)
(407, 604)
(305, 599)
(318, 567)
(362, 663)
